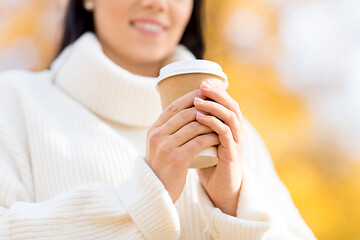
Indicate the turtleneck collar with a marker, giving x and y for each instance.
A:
(84, 72)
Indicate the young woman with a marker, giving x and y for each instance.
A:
(86, 152)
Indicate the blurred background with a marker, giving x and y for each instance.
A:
(294, 69)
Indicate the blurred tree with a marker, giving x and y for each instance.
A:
(324, 182)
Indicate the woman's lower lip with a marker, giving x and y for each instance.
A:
(147, 32)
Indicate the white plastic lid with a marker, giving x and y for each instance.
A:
(192, 66)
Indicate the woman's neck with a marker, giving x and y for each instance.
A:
(142, 69)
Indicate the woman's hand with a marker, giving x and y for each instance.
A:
(222, 182)
(174, 139)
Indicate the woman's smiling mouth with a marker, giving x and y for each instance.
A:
(148, 26)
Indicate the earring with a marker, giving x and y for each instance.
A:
(89, 6)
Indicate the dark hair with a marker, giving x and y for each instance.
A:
(78, 21)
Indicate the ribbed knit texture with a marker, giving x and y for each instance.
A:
(72, 144)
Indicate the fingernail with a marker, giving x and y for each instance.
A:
(198, 100)
(200, 94)
(200, 114)
(205, 85)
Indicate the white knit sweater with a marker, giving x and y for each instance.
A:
(72, 143)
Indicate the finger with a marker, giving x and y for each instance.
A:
(199, 143)
(223, 130)
(219, 95)
(179, 120)
(219, 111)
(189, 131)
(179, 104)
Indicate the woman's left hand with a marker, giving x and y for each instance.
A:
(223, 181)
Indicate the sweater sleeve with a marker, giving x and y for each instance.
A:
(252, 222)
(139, 208)
(265, 209)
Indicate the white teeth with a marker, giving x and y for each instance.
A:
(149, 26)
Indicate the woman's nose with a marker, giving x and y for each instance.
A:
(158, 5)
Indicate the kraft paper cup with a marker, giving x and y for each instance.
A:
(177, 79)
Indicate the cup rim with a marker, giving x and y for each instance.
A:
(191, 66)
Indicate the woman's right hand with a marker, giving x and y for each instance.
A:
(174, 139)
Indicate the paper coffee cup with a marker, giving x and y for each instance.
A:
(179, 78)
